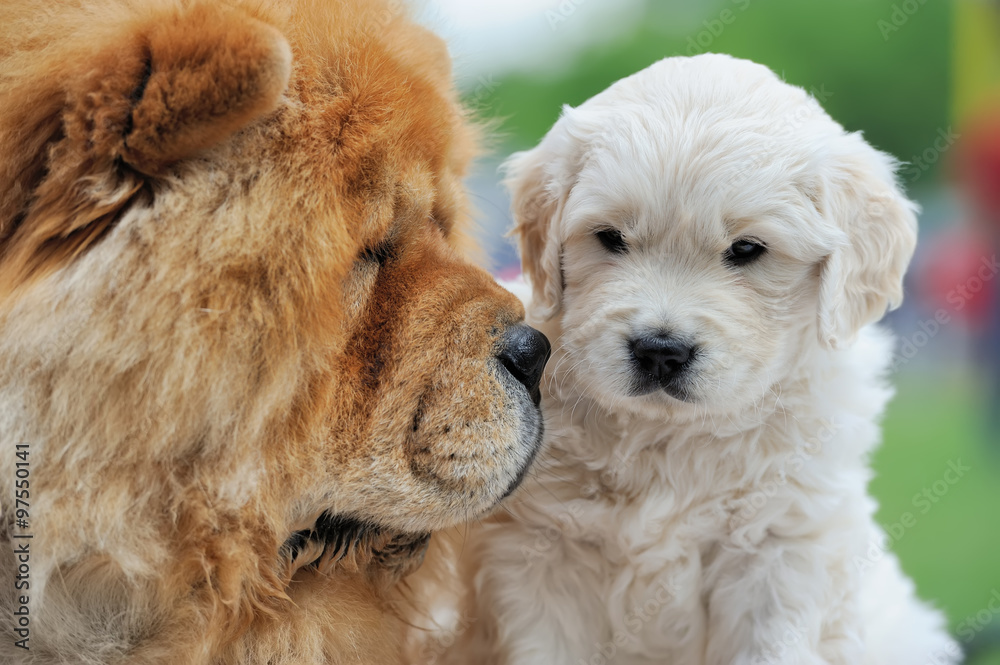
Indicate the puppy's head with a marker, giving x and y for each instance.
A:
(698, 226)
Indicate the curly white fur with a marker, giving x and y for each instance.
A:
(731, 526)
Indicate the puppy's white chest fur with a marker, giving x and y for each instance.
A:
(659, 508)
(651, 540)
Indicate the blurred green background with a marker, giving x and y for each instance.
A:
(896, 90)
(904, 73)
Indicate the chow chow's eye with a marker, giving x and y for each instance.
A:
(613, 240)
(744, 251)
(380, 253)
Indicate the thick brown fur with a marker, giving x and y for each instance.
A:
(238, 337)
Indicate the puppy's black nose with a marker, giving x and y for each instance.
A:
(661, 355)
(524, 352)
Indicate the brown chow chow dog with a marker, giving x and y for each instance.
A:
(244, 370)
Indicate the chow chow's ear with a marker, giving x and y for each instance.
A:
(863, 277)
(89, 113)
(539, 182)
(202, 74)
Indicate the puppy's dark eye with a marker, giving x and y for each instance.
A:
(744, 251)
(613, 240)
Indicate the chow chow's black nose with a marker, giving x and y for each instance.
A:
(661, 355)
(524, 353)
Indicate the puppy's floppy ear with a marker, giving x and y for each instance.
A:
(539, 182)
(89, 112)
(863, 277)
(535, 209)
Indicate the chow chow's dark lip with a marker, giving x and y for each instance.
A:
(523, 473)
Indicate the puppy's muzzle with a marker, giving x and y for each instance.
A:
(524, 352)
(661, 361)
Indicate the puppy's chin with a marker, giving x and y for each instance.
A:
(676, 387)
(676, 406)
(695, 397)
(669, 397)
(624, 392)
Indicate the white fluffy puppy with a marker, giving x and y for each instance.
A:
(707, 250)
